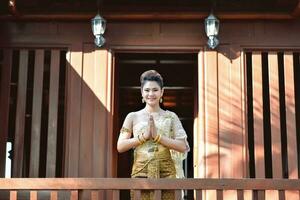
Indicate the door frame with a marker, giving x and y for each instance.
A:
(113, 120)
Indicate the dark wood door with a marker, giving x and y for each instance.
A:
(179, 71)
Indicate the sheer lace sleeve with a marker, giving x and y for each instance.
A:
(179, 133)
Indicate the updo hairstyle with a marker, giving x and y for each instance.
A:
(151, 75)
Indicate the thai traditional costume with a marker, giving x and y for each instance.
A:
(153, 160)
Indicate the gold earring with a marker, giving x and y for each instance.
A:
(143, 100)
(160, 100)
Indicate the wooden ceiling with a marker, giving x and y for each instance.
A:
(148, 9)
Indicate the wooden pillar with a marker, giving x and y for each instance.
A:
(290, 122)
(211, 119)
(73, 107)
(20, 115)
(36, 113)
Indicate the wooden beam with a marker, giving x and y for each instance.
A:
(145, 184)
(130, 16)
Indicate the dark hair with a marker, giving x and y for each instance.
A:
(152, 75)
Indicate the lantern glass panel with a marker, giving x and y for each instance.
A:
(98, 25)
(211, 26)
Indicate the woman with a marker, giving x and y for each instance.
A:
(156, 135)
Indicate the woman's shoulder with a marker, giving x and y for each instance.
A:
(134, 114)
(170, 113)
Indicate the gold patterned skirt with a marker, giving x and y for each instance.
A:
(160, 165)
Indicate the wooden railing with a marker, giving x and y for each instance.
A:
(95, 186)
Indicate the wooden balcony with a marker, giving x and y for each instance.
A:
(109, 188)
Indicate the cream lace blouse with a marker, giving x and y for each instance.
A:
(167, 124)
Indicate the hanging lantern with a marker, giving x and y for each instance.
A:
(98, 28)
(212, 30)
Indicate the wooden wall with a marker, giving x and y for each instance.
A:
(220, 138)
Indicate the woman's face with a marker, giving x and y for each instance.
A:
(151, 92)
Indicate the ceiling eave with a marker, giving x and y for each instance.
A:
(152, 16)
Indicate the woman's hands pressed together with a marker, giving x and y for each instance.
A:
(152, 127)
(125, 141)
(151, 132)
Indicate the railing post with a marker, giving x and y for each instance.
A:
(137, 194)
(198, 194)
(53, 195)
(74, 195)
(33, 195)
(240, 195)
(94, 195)
(178, 194)
(219, 194)
(116, 194)
(157, 194)
(13, 195)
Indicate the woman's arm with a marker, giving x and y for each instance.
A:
(176, 144)
(125, 142)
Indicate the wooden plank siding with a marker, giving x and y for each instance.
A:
(4, 105)
(258, 115)
(101, 113)
(36, 113)
(258, 119)
(94, 113)
(275, 115)
(87, 113)
(53, 110)
(211, 119)
(290, 122)
(73, 102)
(20, 115)
(275, 122)
(221, 125)
(199, 130)
(110, 106)
(282, 114)
(26, 80)
(238, 144)
(226, 135)
(101, 110)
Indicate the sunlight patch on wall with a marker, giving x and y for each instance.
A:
(8, 160)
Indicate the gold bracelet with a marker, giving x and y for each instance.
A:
(125, 130)
(157, 138)
(140, 141)
(143, 139)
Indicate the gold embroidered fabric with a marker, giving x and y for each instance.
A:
(153, 160)
(160, 166)
(167, 124)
